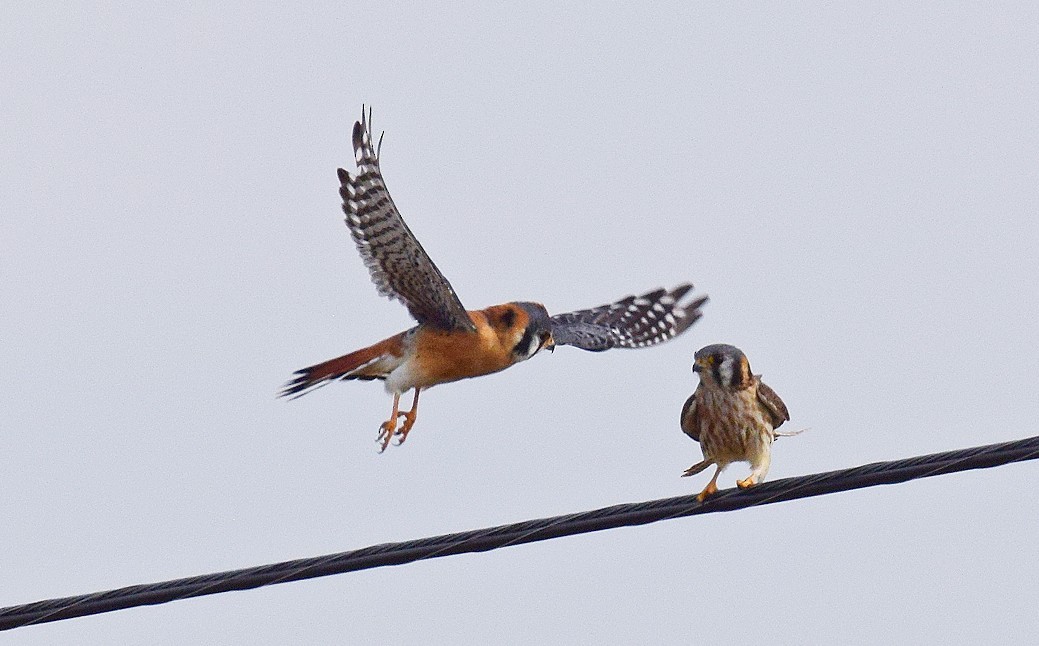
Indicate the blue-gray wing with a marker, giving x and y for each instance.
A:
(400, 268)
(632, 322)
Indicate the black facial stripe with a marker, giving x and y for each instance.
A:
(523, 346)
(716, 368)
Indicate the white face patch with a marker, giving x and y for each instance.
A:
(725, 371)
(523, 352)
(535, 345)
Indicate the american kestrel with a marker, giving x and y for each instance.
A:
(450, 343)
(732, 414)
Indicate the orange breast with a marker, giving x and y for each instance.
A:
(442, 357)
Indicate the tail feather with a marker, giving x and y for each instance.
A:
(697, 468)
(366, 364)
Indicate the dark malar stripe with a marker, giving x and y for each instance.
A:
(523, 346)
(717, 370)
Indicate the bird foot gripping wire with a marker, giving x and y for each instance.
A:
(747, 483)
(709, 490)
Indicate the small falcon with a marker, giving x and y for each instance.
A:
(732, 414)
(450, 343)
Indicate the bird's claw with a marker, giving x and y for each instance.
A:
(386, 431)
(409, 421)
(709, 490)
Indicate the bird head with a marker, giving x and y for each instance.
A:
(722, 365)
(536, 330)
(525, 328)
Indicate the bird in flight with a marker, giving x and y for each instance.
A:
(732, 414)
(450, 343)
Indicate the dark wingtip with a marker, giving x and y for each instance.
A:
(692, 313)
(678, 292)
(695, 305)
(358, 136)
(344, 176)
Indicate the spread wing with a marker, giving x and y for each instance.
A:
(399, 266)
(632, 322)
(773, 404)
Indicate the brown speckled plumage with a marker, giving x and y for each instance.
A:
(731, 414)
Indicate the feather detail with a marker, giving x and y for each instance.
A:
(374, 362)
(697, 468)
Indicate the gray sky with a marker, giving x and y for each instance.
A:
(854, 186)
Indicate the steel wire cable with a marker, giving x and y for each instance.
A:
(481, 540)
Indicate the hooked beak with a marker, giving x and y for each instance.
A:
(697, 367)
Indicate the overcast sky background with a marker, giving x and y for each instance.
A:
(855, 185)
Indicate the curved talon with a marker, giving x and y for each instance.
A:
(746, 484)
(386, 431)
(409, 421)
(389, 428)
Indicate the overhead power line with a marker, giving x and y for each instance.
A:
(482, 540)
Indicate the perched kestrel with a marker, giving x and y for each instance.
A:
(450, 343)
(732, 414)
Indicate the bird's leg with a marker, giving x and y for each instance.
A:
(758, 474)
(409, 419)
(387, 428)
(712, 486)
